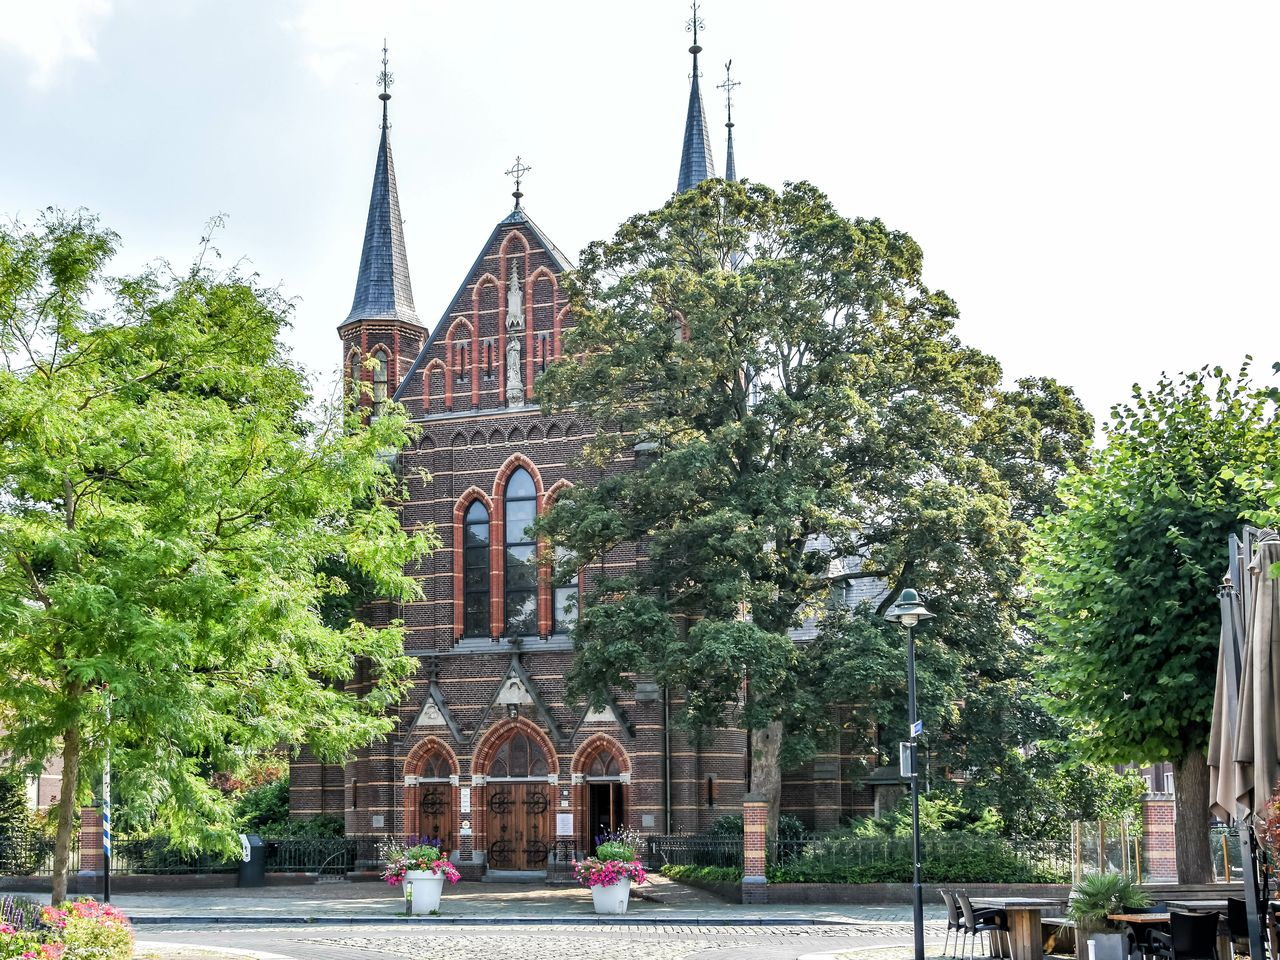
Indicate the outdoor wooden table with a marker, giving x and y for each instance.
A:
(1139, 917)
(1026, 941)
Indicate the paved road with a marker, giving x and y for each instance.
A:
(872, 941)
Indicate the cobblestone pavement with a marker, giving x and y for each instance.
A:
(867, 941)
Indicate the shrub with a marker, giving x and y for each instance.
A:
(845, 858)
(730, 825)
(88, 929)
(265, 808)
(673, 871)
(322, 827)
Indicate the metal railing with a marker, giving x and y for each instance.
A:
(701, 850)
(154, 856)
(30, 855)
(327, 857)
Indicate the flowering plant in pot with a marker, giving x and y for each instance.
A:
(422, 869)
(610, 873)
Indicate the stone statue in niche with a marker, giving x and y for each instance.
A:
(515, 330)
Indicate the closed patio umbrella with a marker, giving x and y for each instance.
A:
(1257, 752)
(1244, 738)
(1223, 787)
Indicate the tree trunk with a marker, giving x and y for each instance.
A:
(766, 769)
(66, 812)
(1191, 813)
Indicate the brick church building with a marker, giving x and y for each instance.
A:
(486, 756)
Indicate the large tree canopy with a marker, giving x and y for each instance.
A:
(1124, 578)
(805, 401)
(170, 519)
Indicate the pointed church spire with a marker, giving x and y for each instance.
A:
(696, 164)
(383, 290)
(730, 169)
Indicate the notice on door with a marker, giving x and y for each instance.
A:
(564, 824)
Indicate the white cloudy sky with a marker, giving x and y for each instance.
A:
(1095, 182)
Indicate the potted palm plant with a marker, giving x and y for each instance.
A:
(423, 870)
(1093, 900)
(610, 873)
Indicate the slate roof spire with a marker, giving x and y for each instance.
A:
(383, 290)
(730, 169)
(696, 164)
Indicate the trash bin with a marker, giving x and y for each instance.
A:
(253, 861)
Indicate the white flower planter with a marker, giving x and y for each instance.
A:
(426, 890)
(612, 899)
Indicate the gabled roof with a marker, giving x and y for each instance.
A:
(517, 217)
(696, 164)
(383, 290)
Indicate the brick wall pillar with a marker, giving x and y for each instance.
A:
(1159, 859)
(755, 826)
(90, 842)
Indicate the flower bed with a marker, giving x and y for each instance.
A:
(77, 929)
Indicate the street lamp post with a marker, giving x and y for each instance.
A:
(908, 611)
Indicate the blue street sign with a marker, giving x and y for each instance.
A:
(917, 728)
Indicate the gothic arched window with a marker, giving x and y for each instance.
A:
(354, 364)
(437, 767)
(521, 580)
(565, 610)
(519, 757)
(604, 764)
(379, 380)
(475, 571)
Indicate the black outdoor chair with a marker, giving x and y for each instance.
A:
(1238, 923)
(978, 922)
(1140, 933)
(1191, 936)
(954, 921)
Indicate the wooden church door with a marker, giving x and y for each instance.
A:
(520, 801)
(435, 815)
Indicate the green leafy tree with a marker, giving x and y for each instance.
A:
(168, 520)
(1124, 579)
(807, 401)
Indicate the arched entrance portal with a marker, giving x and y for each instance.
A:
(521, 801)
(430, 816)
(604, 773)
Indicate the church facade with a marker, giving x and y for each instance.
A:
(487, 757)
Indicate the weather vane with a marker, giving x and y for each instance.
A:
(694, 23)
(517, 172)
(728, 88)
(385, 78)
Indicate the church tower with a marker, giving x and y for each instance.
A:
(381, 335)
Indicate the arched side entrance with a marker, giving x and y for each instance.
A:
(602, 773)
(430, 807)
(519, 769)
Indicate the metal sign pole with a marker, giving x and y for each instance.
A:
(106, 812)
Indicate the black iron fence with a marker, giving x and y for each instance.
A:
(32, 856)
(333, 856)
(701, 850)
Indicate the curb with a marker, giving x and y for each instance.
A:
(228, 951)
(140, 921)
